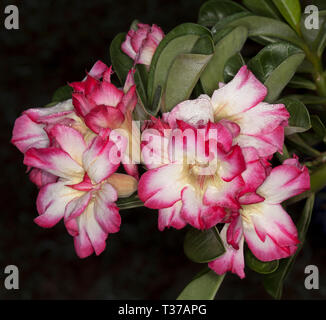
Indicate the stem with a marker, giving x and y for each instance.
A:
(318, 72)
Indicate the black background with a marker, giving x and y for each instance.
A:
(57, 41)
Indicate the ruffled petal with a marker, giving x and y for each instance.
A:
(269, 231)
(161, 187)
(51, 203)
(54, 161)
(170, 217)
(196, 213)
(28, 134)
(232, 260)
(239, 95)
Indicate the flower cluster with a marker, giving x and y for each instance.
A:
(207, 161)
(74, 153)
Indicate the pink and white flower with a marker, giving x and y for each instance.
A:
(32, 127)
(188, 165)
(140, 44)
(103, 106)
(239, 105)
(86, 189)
(262, 222)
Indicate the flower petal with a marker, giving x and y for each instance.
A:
(54, 161)
(284, 182)
(104, 117)
(28, 134)
(170, 217)
(70, 141)
(198, 214)
(241, 94)
(161, 187)
(106, 211)
(101, 159)
(269, 231)
(51, 203)
(232, 260)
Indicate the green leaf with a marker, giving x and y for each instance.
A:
(260, 266)
(203, 287)
(183, 76)
(225, 48)
(131, 202)
(302, 83)
(318, 127)
(120, 61)
(61, 94)
(214, 10)
(267, 29)
(305, 67)
(180, 40)
(291, 11)
(273, 282)
(141, 111)
(299, 116)
(308, 99)
(232, 67)
(275, 65)
(262, 8)
(203, 246)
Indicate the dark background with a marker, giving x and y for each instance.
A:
(57, 41)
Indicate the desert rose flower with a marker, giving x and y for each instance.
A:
(31, 131)
(187, 164)
(140, 44)
(262, 222)
(86, 189)
(255, 123)
(103, 106)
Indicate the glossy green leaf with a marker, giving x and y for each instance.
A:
(299, 116)
(290, 10)
(232, 67)
(267, 29)
(214, 10)
(181, 40)
(120, 61)
(225, 48)
(262, 8)
(260, 266)
(302, 83)
(273, 282)
(203, 287)
(61, 94)
(275, 65)
(183, 76)
(202, 246)
(131, 202)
